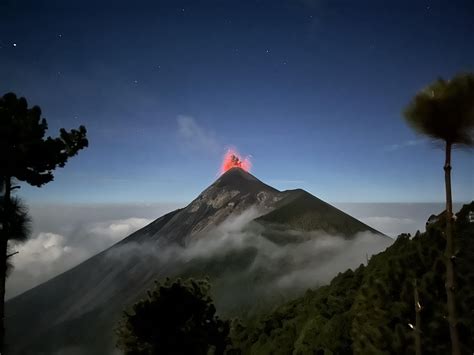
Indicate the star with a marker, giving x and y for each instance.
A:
(267, 51)
(60, 35)
(135, 81)
(14, 44)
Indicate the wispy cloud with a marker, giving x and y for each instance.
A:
(406, 144)
(195, 137)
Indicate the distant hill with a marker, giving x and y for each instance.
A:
(78, 309)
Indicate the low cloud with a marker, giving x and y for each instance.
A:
(46, 248)
(114, 231)
(41, 258)
(195, 137)
(394, 219)
(247, 262)
(46, 255)
(65, 235)
(392, 226)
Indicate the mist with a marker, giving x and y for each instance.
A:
(250, 265)
(65, 235)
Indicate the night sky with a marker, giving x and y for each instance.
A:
(312, 90)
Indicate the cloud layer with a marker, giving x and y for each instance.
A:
(248, 263)
(65, 235)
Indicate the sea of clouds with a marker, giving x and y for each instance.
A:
(65, 235)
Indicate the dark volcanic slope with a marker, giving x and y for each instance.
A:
(300, 210)
(80, 307)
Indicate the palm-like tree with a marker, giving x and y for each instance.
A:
(444, 111)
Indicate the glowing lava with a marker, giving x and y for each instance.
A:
(232, 159)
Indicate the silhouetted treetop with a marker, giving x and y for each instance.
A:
(445, 110)
(25, 153)
(177, 318)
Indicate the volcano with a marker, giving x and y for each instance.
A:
(78, 310)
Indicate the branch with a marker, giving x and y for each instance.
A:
(10, 255)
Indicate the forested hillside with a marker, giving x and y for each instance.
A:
(371, 310)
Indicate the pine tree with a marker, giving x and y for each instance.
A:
(26, 156)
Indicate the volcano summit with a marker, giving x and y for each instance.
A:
(258, 245)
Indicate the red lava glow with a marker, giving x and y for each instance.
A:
(232, 159)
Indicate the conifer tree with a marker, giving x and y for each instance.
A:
(26, 156)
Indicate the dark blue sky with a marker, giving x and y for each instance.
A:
(313, 90)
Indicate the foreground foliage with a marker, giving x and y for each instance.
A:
(369, 310)
(176, 318)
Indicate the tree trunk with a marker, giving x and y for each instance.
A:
(417, 320)
(450, 258)
(3, 259)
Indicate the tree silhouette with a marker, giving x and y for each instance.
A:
(176, 318)
(20, 226)
(444, 111)
(26, 156)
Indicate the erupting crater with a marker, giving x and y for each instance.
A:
(232, 159)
